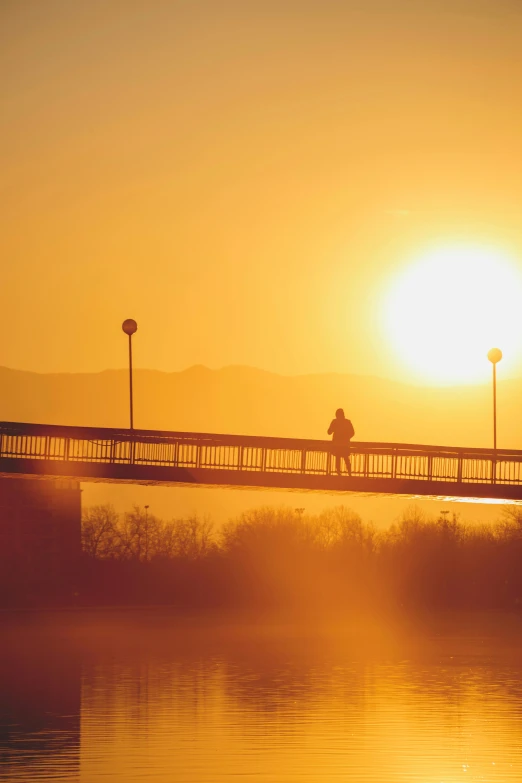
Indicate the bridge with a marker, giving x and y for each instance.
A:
(188, 458)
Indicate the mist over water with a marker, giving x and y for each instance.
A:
(141, 694)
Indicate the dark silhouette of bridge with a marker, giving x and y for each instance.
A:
(189, 458)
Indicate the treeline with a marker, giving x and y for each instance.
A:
(143, 537)
(284, 560)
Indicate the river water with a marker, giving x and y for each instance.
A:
(123, 696)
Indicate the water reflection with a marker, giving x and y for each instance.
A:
(191, 703)
(40, 701)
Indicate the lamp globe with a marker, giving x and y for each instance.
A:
(129, 326)
(495, 355)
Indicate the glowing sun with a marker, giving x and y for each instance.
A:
(444, 312)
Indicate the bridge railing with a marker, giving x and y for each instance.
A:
(42, 443)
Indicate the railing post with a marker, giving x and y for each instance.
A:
(263, 459)
(240, 458)
(459, 468)
(303, 461)
(66, 445)
(430, 467)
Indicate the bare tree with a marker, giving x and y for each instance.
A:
(100, 535)
(510, 525)
(139, 534)
(191, 537)
(267, 529)
(340, 525)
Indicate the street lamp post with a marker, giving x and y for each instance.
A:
(130, 327)
(494, 356)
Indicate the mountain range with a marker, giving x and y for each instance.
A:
(246, 400)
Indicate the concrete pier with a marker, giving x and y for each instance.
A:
(40, 537)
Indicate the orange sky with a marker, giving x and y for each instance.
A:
(245, 178)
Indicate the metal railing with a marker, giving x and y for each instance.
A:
(38, 443)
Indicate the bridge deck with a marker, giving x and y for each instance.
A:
(174, 458)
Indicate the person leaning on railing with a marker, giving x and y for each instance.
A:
(342, 432)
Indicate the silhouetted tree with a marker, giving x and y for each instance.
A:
(100, 534)
(283, 557)
(191, 537)
(510, 523)
(140, 535)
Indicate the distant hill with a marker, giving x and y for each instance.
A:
(251, 401)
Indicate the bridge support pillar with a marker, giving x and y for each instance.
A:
(40, 540)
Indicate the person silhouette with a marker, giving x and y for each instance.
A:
(342, 432)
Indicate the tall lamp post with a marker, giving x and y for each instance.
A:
(130, 327)
(494, 356)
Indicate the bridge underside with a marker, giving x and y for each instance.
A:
(154, 475)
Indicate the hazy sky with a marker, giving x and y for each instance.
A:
(246, 179)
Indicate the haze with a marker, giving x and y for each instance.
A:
(246, 179)
(306, 206)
